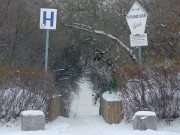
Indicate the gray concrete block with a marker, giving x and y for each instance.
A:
(144, 120)
(32, 120)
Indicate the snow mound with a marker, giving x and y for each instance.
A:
(145, 113)
(32, 113)
(111, 96)
(88, 125)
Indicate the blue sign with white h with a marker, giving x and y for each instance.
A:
(48, 18)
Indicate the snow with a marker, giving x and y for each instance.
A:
(116, 39)
(145, 113)
(82, 103)
(111, 96)
(13, 100)
(88, 125)
(32, 113)
(142, 118)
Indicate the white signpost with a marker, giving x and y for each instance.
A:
(136, 19)
(48, 19)
(138, 40)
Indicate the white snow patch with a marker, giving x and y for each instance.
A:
(145, 113)
(142, 118)
(82, 104)
(32, 113)
(111, 96)
(89, 125)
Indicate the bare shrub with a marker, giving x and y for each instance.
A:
(23, 89)
(153, 88)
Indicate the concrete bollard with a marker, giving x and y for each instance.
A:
(144, 120)
(32, 120)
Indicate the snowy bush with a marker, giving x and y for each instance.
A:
(15, 100)
(24, 89)
(151, 89)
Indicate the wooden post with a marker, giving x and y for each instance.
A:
(111, 111)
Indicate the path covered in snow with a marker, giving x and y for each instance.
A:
(86, 121)
(88, 125)
(82, 104)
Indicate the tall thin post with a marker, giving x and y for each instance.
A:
(141, 79)
(140, 57)
(46, 53)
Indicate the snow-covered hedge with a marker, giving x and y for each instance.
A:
(24, 89)
(155, 88)
(15, 100)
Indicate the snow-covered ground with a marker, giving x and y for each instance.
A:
(86, 121)
(82, 103)
(88, 125)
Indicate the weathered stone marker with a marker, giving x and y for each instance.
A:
(144, 120)
(32, 120)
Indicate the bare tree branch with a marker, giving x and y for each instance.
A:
(102, 33)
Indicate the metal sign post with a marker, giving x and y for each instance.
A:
(46, 53)
(140, 57)
(136, 19)
(48, 18)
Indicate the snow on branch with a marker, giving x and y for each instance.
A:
(116, 39)
(3, 45)
(102, 33)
